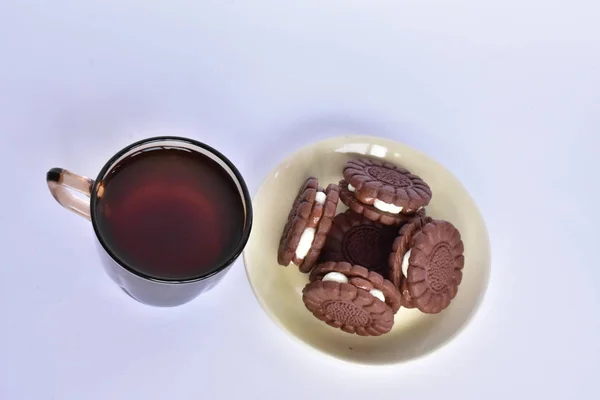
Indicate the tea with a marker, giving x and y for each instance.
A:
(170, 213)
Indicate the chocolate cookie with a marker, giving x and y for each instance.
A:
(405, 297)
(323, 228)
(361, 278)
(400, 246)
(307, 226)
(370, 212)
(386, 187)
(296, 221)
(351, 298)
(426, 264)
(360, 241)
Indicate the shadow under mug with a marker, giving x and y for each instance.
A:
(141, 286)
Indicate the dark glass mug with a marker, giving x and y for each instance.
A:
(187, 189)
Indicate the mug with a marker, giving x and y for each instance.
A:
(170, 215)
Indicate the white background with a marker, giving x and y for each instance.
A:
(504, 93)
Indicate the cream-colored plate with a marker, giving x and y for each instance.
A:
(279, 289)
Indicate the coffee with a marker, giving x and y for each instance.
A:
(170, 213)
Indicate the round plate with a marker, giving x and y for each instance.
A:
(279, 289)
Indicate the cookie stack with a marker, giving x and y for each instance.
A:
(381, 254)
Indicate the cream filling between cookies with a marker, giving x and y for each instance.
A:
(336, 277)
(341, 278)
(387, 207)
(305, 243)
(382, 205)
(321, 197)
(405, 263)
(308, 235)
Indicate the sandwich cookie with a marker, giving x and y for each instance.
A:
(307, 225)
(382, 191)
(370, 212)
(426, 264)
(351, 298)
(360, 241)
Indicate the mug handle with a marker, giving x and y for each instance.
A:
(62, 183)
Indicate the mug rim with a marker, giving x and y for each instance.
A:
(245, 194)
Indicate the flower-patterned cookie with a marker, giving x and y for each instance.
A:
(360, 241)
(307, 225)
(426, 264)
(351, 298)
(387, 192)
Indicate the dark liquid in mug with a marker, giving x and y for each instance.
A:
(170, 213)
